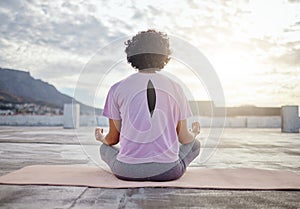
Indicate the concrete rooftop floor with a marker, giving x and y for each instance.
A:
(256, 148)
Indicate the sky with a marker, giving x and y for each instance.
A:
(253, 46)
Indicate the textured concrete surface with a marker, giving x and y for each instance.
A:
(88, 120)
(20, 197)
(259, 148)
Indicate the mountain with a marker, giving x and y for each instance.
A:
(20, 87)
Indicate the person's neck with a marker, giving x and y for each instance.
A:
(148, 70)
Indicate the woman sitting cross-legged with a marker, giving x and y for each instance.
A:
(148, 114)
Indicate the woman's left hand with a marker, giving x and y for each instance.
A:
(99, 134)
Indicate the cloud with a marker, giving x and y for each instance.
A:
(294, 1)
(280, 55)
(289, 59)
(64, 28)
(12, 4)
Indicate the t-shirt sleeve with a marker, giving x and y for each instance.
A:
(184, 107)
(111, 108)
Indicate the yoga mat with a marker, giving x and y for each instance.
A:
(195, 177)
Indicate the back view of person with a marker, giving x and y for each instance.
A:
(147, 114)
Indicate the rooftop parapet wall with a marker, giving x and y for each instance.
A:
(206, 108)
(86, 120)
(290, 119)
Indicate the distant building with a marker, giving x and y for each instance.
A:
(205, 108)
(202, 108)
(6, 112)
(253, 111)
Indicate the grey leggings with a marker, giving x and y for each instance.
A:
(150, 171)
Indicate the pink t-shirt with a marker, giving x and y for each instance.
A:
(147, 136)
